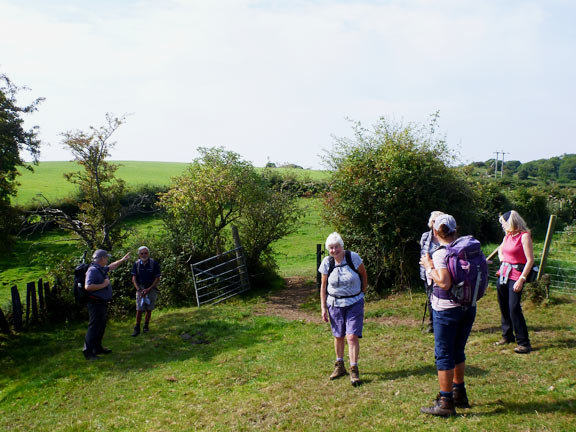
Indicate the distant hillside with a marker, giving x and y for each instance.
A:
(48, 177)
(558, 168)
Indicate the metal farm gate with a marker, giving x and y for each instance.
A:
(220, 277)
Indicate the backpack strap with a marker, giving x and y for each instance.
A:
(332, 263)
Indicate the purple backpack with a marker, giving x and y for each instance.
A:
(469, 271)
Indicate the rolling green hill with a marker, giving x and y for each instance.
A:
(48, 178)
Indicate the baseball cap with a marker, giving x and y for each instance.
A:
(99, 253)
(447, 220)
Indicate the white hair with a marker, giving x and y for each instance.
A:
(141, 248)
(334, 238)
(433, 217)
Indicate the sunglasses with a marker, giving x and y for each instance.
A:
(143, 253)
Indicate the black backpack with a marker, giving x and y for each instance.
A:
(80, 294)
(349, 263)
(332, 265)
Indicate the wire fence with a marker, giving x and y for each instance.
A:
(560, 263)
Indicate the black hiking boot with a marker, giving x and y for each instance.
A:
(460, 398)
(443, 407)
(136, 331)
(145, 329)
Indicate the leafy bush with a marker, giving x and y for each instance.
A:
(490, 202)
(386, 183)
(218, 190)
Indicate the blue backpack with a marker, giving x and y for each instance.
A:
(468, 269)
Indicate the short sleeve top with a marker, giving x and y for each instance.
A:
(439, 304)
(343, 281)
(147, 273)
(96, 274)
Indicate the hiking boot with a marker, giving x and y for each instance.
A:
(355, 376)
(521, 349)
(103, 351)
(460, 398)
(443, 407)
(90, 356)
(502, 341)
(136, 331)
(145, 329)
(339, 370)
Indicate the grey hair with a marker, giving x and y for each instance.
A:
(334, 238)
(433, 217)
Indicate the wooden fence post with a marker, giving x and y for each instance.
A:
(41, 304)
(547, 242)
(244, 281)
(48, 297)
(31, 287)
(318, 262)
(4, 327)
(28, 302)
(16, 309)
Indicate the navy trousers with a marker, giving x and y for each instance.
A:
(513, 322)
(98, 313)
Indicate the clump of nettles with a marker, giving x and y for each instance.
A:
(537, 291)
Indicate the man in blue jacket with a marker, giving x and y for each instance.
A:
(99, 294)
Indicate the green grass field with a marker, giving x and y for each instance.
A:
(48, 179)
(233, 368)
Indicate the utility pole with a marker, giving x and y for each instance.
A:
(502, 170)
(496, 165)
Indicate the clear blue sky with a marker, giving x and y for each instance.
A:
(276, 79)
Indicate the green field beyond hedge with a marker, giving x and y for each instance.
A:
(48, 177)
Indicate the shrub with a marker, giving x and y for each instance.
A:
(386, 183)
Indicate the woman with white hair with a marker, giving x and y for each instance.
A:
(344, 281)
(517, 257)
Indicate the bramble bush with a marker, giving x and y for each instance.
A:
(386, 182)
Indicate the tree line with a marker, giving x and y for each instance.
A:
(558, 168)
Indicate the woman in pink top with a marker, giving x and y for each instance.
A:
(517, 257)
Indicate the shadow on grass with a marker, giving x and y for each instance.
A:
(37, 359)
(559, 343)
(371, 376)
(565, 406)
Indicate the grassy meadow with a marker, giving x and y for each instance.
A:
(244, 366)
(235, 367)
(48, 179)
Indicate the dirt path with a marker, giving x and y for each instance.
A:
(287, 303)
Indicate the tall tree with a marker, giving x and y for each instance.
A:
(14, 140)
(100, 209)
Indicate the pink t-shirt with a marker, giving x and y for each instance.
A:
(513, 252)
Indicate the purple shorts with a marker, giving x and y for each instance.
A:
(347, 320)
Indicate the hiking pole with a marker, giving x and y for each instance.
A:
(84, 256)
